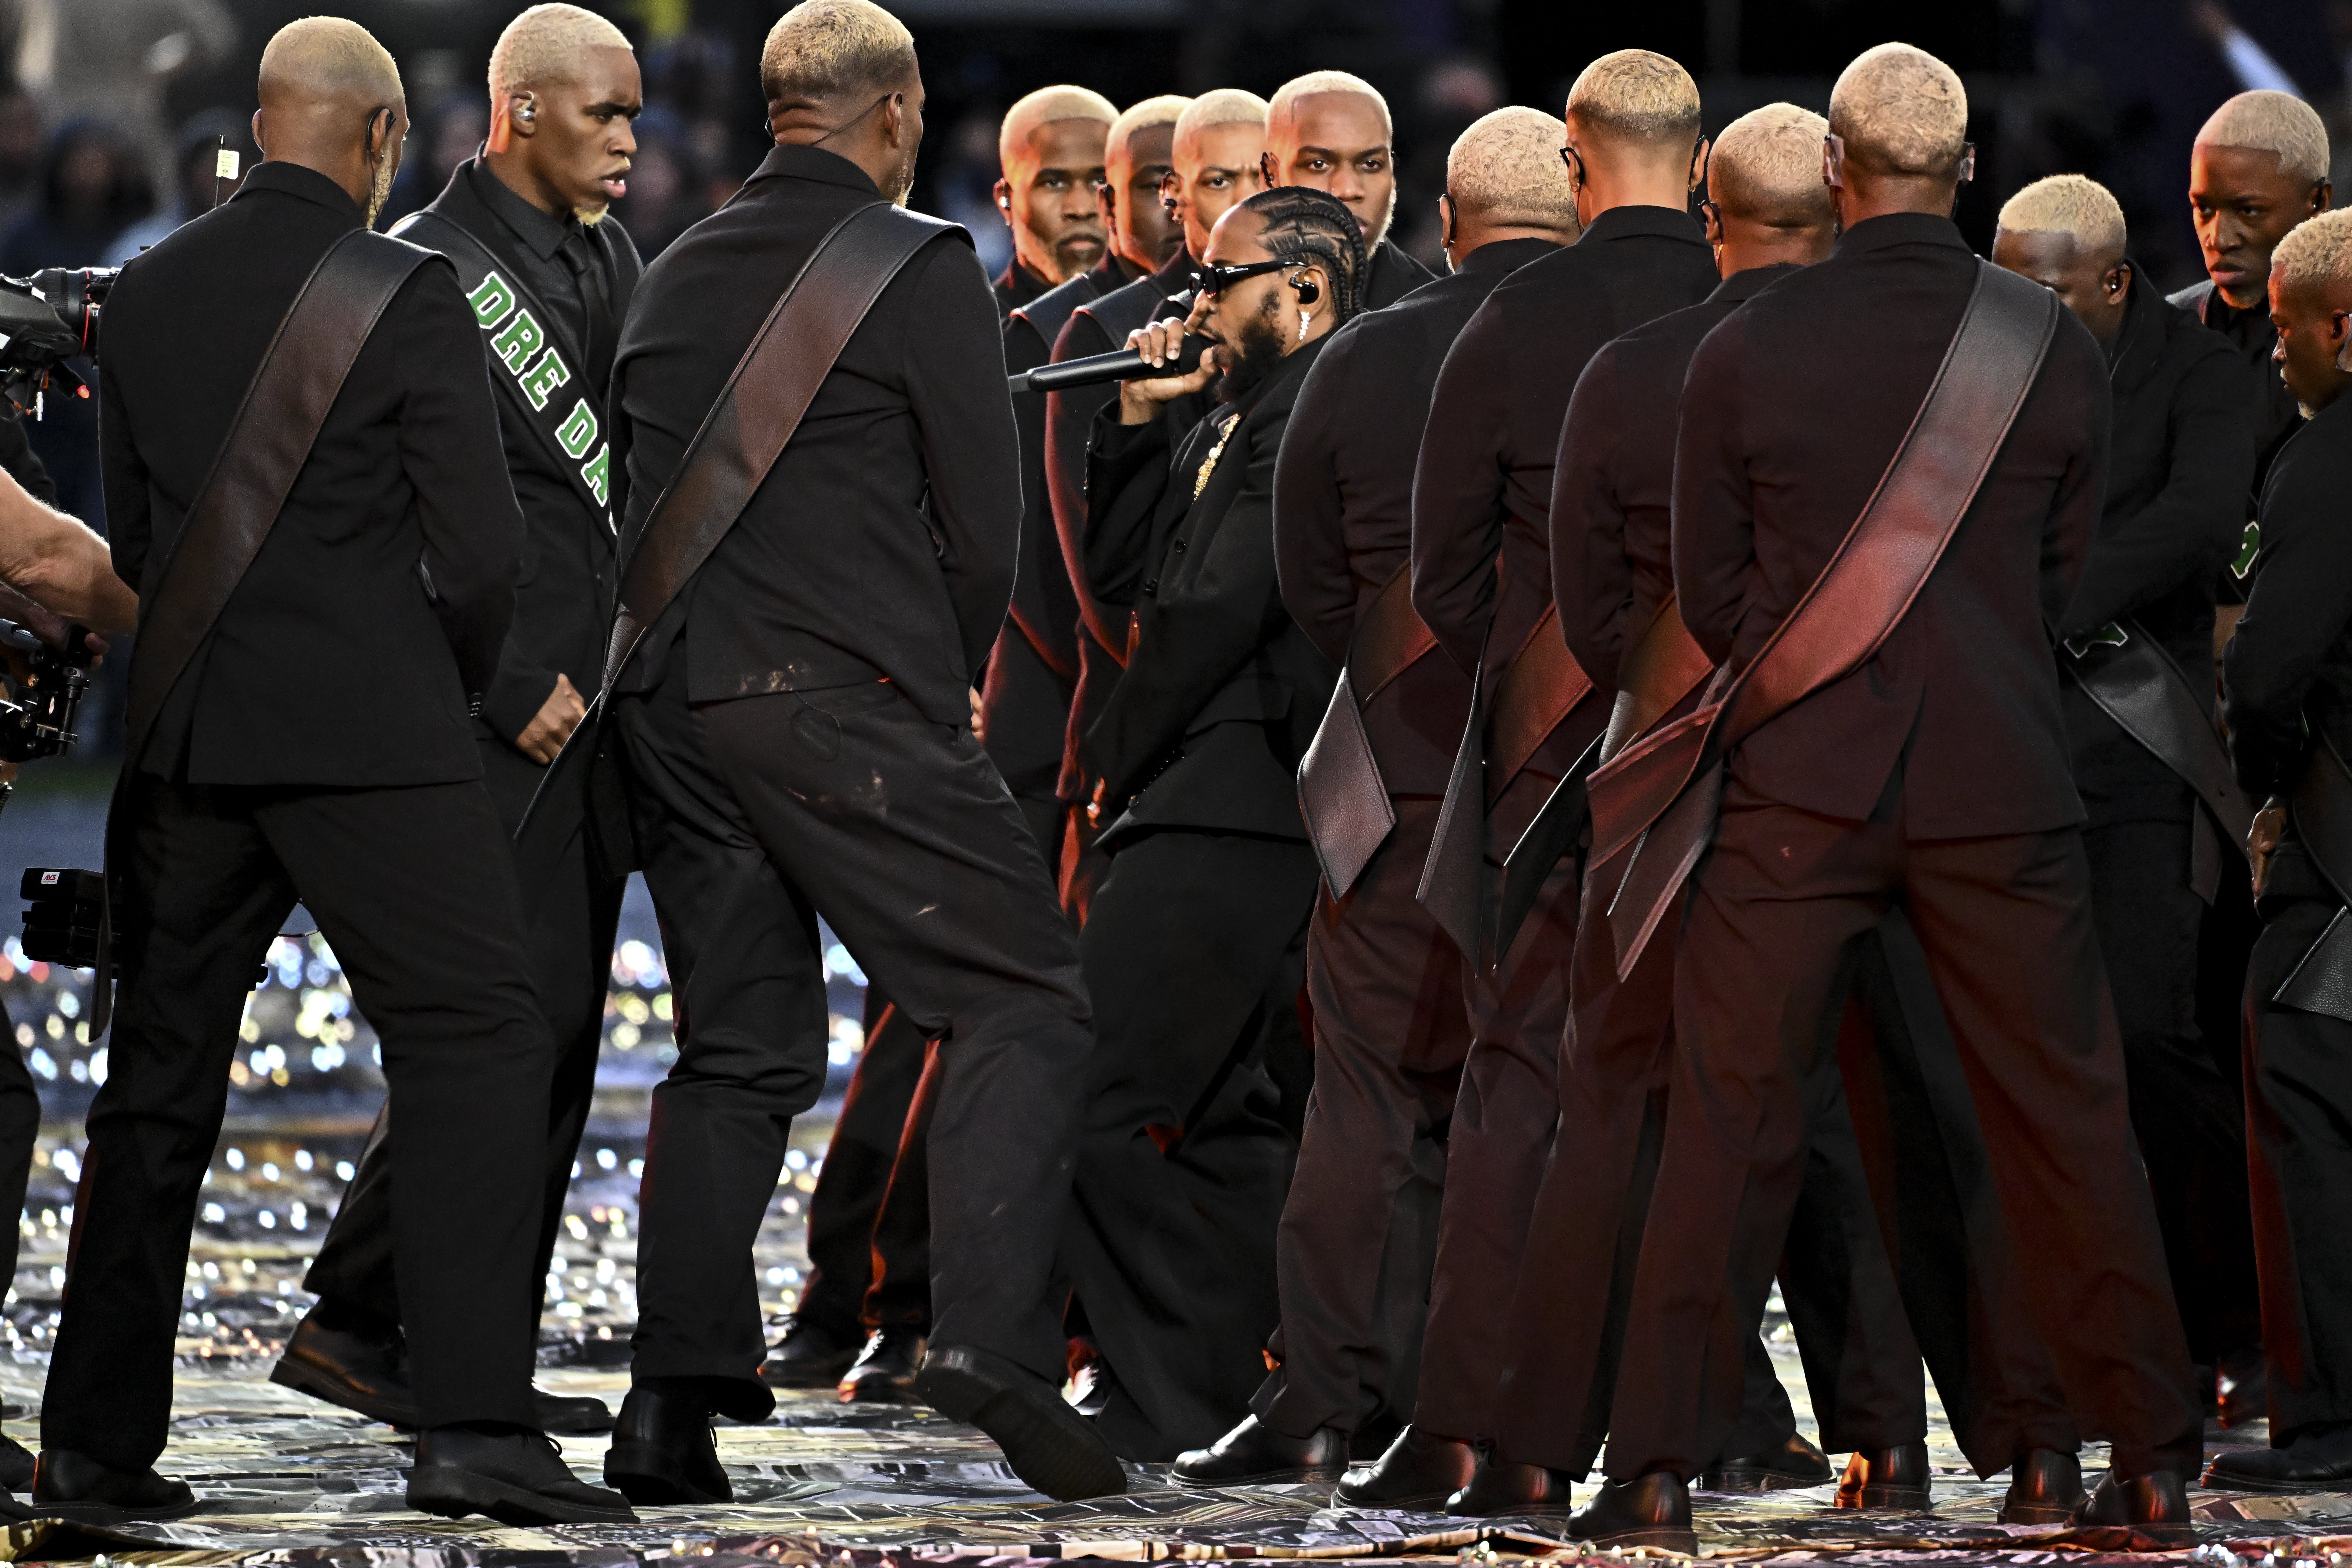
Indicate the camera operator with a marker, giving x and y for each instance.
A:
(59, 564)
(527, 224)
(304, 478)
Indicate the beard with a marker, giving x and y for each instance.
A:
(902, 180)
(1257, 354)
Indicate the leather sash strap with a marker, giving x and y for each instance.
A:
(1663, 667)
(1341, 795)
(2320, 805)
(757, 411)
(1664, 790)
(2138, 686)
(269, 439)
(536, 367)
(300, 374)
(1542, 684)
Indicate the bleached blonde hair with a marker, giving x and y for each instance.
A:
(1219, 106)
(2276, 123)
(2316, 251)
(333, 55)
(1506, 168)
(1043, 107)
(1636, 94)
(2068, 204)
(1901, 111)
(822, 50)
(544, 45)
(1767, 167)
(1164, 109)
(1282, 108)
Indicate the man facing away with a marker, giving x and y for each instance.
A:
(1050, 149)
(793, 753)
(1934, 773)
(1330, 131)
(388, 569)
(2286, 677)
(1352, 1256)
(549, 273)
(2181, 466)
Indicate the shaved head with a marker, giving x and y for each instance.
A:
(1901, 112)
(330, 100)
(1767, 167)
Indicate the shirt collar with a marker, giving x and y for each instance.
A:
(1900, 228)
(805, 162)
(1626, 222)
(1749, 282)
(2139, 342)
(544, 232)
(1506, 255)
(296, 179)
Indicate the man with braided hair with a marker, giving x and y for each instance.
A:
(1196, 939)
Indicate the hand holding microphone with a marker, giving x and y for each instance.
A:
(1161, 346)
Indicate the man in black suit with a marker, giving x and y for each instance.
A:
(1935, 773)
(1330, 131)
(2286, 679)
(796, 728)
(2180, 466)
(1196, 938)
(1352, 1256)
(388, 571)
(526, 226)
(1215, 153)
(1050, 151)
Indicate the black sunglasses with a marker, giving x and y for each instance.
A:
(1215, 280)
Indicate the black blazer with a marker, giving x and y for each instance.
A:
(564, 599)
(2180, 467)
(1343, 498)
(882, 543)
(2287, 673)
(1389, 275)
(2276, 412)
(330, 665)
(1792, 410)
(1224, 690)
(1612, 561)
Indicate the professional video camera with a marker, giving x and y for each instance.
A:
(46, 686)
(45, 321)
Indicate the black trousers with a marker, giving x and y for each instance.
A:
(869, 1229)
(1358, 1233)
(752, 816)
(2298, 1090)
(2189, 1114)
(1196, 947)
(20, 1130)
(569, 924)
(415, 890)
(2005, 927)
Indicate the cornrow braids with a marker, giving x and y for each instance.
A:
(1304, 224)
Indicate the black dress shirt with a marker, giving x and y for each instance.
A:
(1343, 498)
(584, 276)
(330, 665)
(2287, 673)
(882, 543)
(1223, 690)
(1016, 286)
(1791, 412)
(1611, 556)
(2178, 469)
(1482, 492)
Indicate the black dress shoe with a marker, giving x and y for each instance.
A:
(1046, 1443)
(663, 1453)
(2154, 1505)
(16, 1465)
(884, 1372)
(573, 1414)
(70, 1486)
(1501, 1486)
(1254, 1451)
(515, 1477)
(808, 1356)
(355, 1368)
(1885, 1478)
(2045, 1486)
(1418, 1468)
(1795, 1463)
(2310, 1461)
(1648, 1511)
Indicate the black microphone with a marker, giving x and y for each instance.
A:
(1091, 371)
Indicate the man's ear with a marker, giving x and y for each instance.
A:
(1967, 161)
(1699, 155)
(2118, 281)
(2322, 195)
(1003, 193)
(1833, 162)
(1265, 170)
(259, 140)
(1710, 218)
(1445, 218)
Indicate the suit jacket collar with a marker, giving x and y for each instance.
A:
(480, 192)
(1628, 222)
(295, 180)
(1900, 228)
(802, 163)
(1748, 283)
(1505, 256)
(2140, 342)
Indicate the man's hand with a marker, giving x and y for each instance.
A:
(1161, 344)
(978, 717)
(554, 723)
(59, 564)
(2262, 840)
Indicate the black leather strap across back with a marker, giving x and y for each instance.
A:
(300, 374)
(1341, 795)
(760, 407)
(2321, 807)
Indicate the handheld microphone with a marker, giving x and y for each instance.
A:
(1092, 371)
